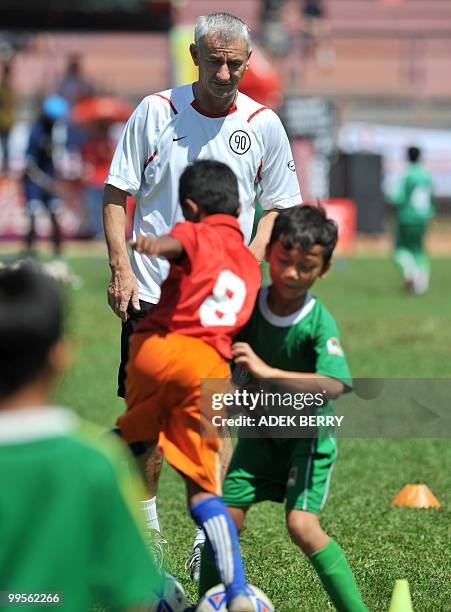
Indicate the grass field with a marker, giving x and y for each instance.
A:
(387, 335)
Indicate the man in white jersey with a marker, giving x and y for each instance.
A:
(209, 119)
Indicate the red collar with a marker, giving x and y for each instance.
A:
(200, 110)
(222, 219)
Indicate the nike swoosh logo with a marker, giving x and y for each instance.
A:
(180, 138)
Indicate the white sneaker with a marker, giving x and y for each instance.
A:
(156, 542)
(192, 564)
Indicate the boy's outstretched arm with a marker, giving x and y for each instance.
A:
(166, 246)
(301, 381)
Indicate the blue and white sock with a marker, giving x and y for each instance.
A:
(199, 540)
(222, 537)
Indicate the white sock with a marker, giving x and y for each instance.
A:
(199, 540)
(149, 507)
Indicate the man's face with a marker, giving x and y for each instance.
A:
(221, 65)
(293, 271)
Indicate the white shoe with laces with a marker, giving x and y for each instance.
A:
(192, 564)
(156, 542)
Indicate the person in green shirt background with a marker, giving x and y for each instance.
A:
(414, 209)
(57, 543)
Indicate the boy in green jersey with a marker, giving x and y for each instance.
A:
(291, 337)
(414, 209)
(58, 546)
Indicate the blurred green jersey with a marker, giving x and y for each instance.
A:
(69, 518)
(413, 199)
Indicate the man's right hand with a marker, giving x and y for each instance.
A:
(122, 291)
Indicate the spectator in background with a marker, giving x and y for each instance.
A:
(414, 209)
(313, 10)
(40, 184)
(273, 33)
(74, 86)
(316, 36)
(96, 153)
(278, 38)
(7, 112)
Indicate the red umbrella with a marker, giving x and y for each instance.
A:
(101, 108)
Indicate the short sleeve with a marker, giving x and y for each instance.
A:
(330, 357)
(133, 149)
(186, 233)
(279, 183)
(123, 573)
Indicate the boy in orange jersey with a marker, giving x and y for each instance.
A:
(206, 299)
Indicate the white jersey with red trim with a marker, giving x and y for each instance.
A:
(166, 132)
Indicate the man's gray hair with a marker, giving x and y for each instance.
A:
(226, 27)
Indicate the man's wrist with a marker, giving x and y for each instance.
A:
(120, 267)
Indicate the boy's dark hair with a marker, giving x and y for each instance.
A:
(212, 185)
(413, 154)
(31, 322)
(305, 225)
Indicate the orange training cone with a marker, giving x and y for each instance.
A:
(416, 496)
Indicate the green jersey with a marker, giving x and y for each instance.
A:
(413, 199)
(69, 518)
(297, 470)
(305, 341)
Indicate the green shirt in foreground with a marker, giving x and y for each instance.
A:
(68, 518)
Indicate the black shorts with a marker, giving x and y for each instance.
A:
(135, 316)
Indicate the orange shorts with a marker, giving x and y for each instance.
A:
(164, 375)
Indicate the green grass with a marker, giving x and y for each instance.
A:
(386, 334)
